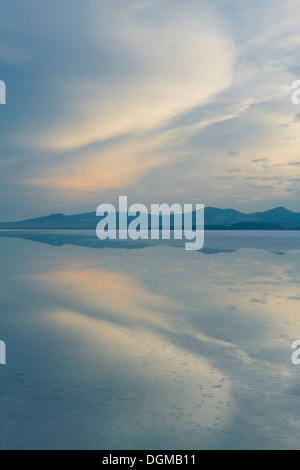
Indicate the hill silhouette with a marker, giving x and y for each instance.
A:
(279, 218)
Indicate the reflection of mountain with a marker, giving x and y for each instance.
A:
(215, 219)
(215, 241)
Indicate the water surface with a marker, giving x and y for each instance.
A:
(128, 345)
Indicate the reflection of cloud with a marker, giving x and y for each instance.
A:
(153, 361)
(123, 296)
(174, 334)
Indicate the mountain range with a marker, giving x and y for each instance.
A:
(279, 218)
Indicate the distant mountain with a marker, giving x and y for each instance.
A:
(215, 219)
(55, 221)
(227, 217)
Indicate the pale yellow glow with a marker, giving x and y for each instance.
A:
(120, 294)
(101, 170)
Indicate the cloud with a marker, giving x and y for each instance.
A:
(160, 67)
(259, 160)
(103, 96)
(116, 166)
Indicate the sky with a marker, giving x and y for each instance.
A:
(183, 101)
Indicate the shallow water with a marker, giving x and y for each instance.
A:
(151, 347)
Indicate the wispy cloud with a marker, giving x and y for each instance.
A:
(160, 94)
